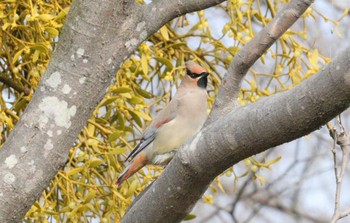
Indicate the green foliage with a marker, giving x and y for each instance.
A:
(85, 188)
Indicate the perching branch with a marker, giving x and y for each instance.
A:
(342, 138)
(244, 132)
(228, 93)
(226, 99)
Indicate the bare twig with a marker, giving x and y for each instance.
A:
(342, 138)
(239, 195)
(9, 82)
(268, 202)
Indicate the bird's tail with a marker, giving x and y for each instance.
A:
(139, 162)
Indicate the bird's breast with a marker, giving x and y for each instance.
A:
(191, 115)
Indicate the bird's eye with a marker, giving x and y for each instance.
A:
(192, 75)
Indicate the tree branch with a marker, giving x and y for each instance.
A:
(166, 10)
(177, 8)
(227, 96)
(244, 132)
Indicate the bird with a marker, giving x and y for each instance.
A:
(174, 125)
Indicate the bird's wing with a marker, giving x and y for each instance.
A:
(163, 117)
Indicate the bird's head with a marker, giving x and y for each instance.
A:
(196, 75)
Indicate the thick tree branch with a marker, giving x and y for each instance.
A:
(250, 53)
(164, 8)
(97, 37)
(228, 92)
(226, 99)
(244, 132)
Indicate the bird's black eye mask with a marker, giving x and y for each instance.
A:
(194, 75)
(203, 80)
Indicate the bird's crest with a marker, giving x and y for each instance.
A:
(194, 68)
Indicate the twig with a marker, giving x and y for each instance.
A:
(343, 140)
(9, 82)
(239, 195)
(275, 205)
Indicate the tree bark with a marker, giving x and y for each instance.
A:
(97, 37)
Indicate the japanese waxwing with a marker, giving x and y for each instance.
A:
(182, 118)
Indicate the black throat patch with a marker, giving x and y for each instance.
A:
(202, 82)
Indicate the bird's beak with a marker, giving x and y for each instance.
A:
(206, 74)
